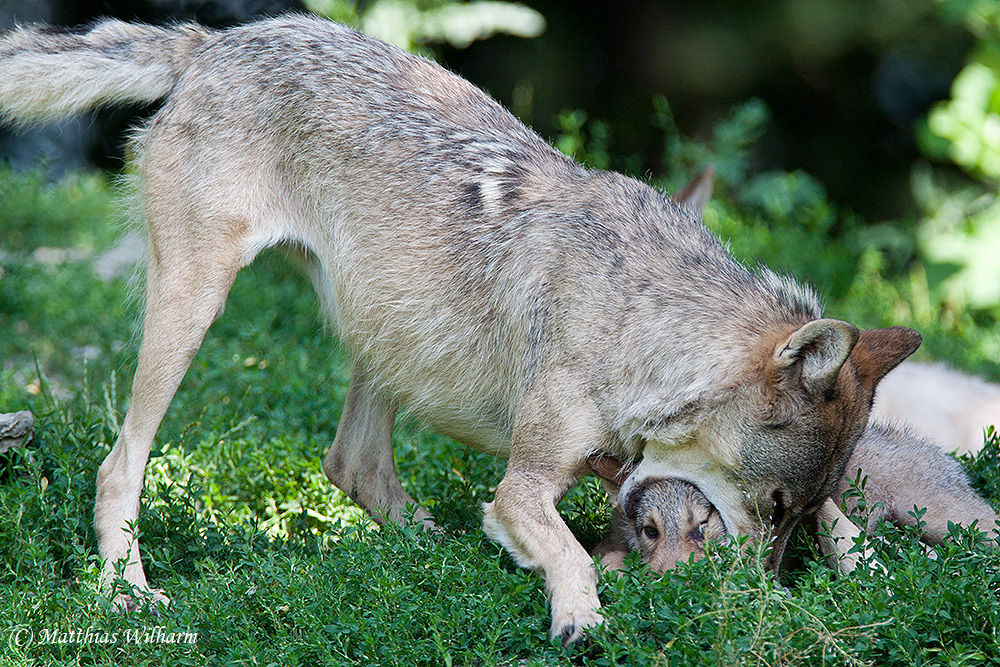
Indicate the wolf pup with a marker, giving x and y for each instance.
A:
(670, 520)
(504, 294)
(949, 407)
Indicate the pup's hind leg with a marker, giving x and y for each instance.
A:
(360, 461)
(189, 277)
(958, 504)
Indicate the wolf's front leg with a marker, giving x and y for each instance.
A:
(548, 456)
(523, 518)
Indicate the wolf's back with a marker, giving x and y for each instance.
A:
(48, 73)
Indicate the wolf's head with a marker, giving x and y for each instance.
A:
(775, 447)
(776, 444)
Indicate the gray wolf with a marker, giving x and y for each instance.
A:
(505, 295)
(670, 520)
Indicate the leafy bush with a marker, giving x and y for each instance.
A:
(960, 233)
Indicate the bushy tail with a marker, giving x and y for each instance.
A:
(48, 73)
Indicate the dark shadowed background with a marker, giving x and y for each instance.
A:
(845, 79)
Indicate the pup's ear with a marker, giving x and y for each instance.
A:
(815, 353)
(880, 350)
(611, 471)
(695, 195)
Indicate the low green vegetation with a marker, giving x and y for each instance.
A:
(266, 563)
(269, 564)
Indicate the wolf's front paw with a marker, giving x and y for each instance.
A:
(570, 627)
(156, 598)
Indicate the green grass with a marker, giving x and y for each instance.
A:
(269, 564)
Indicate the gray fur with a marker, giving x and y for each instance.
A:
(504, 294)
(902, 472)
(52, 73)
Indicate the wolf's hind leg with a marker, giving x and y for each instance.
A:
(360, 461)
(187, 284)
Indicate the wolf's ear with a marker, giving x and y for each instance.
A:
(611, 471)
(695, 195)
(815, 353)
(880, 350)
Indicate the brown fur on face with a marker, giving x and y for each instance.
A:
(818, 435)
(901, 471)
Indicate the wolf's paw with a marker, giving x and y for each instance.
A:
(569, 628)
(155, 597)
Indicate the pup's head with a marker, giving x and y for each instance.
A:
(665, 520)
(776, 446)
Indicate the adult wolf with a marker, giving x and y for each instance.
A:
(507, 296)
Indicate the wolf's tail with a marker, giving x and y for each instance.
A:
(47, 73)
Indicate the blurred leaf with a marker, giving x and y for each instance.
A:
(959, 234)
(972, 245)
(460, 24)
(970, 121)
(409, 24)
(344, 11)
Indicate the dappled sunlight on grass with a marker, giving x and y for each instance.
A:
(267, 559)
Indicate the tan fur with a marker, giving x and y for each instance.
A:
(505, 295)
(902, 473)
(942, 404)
